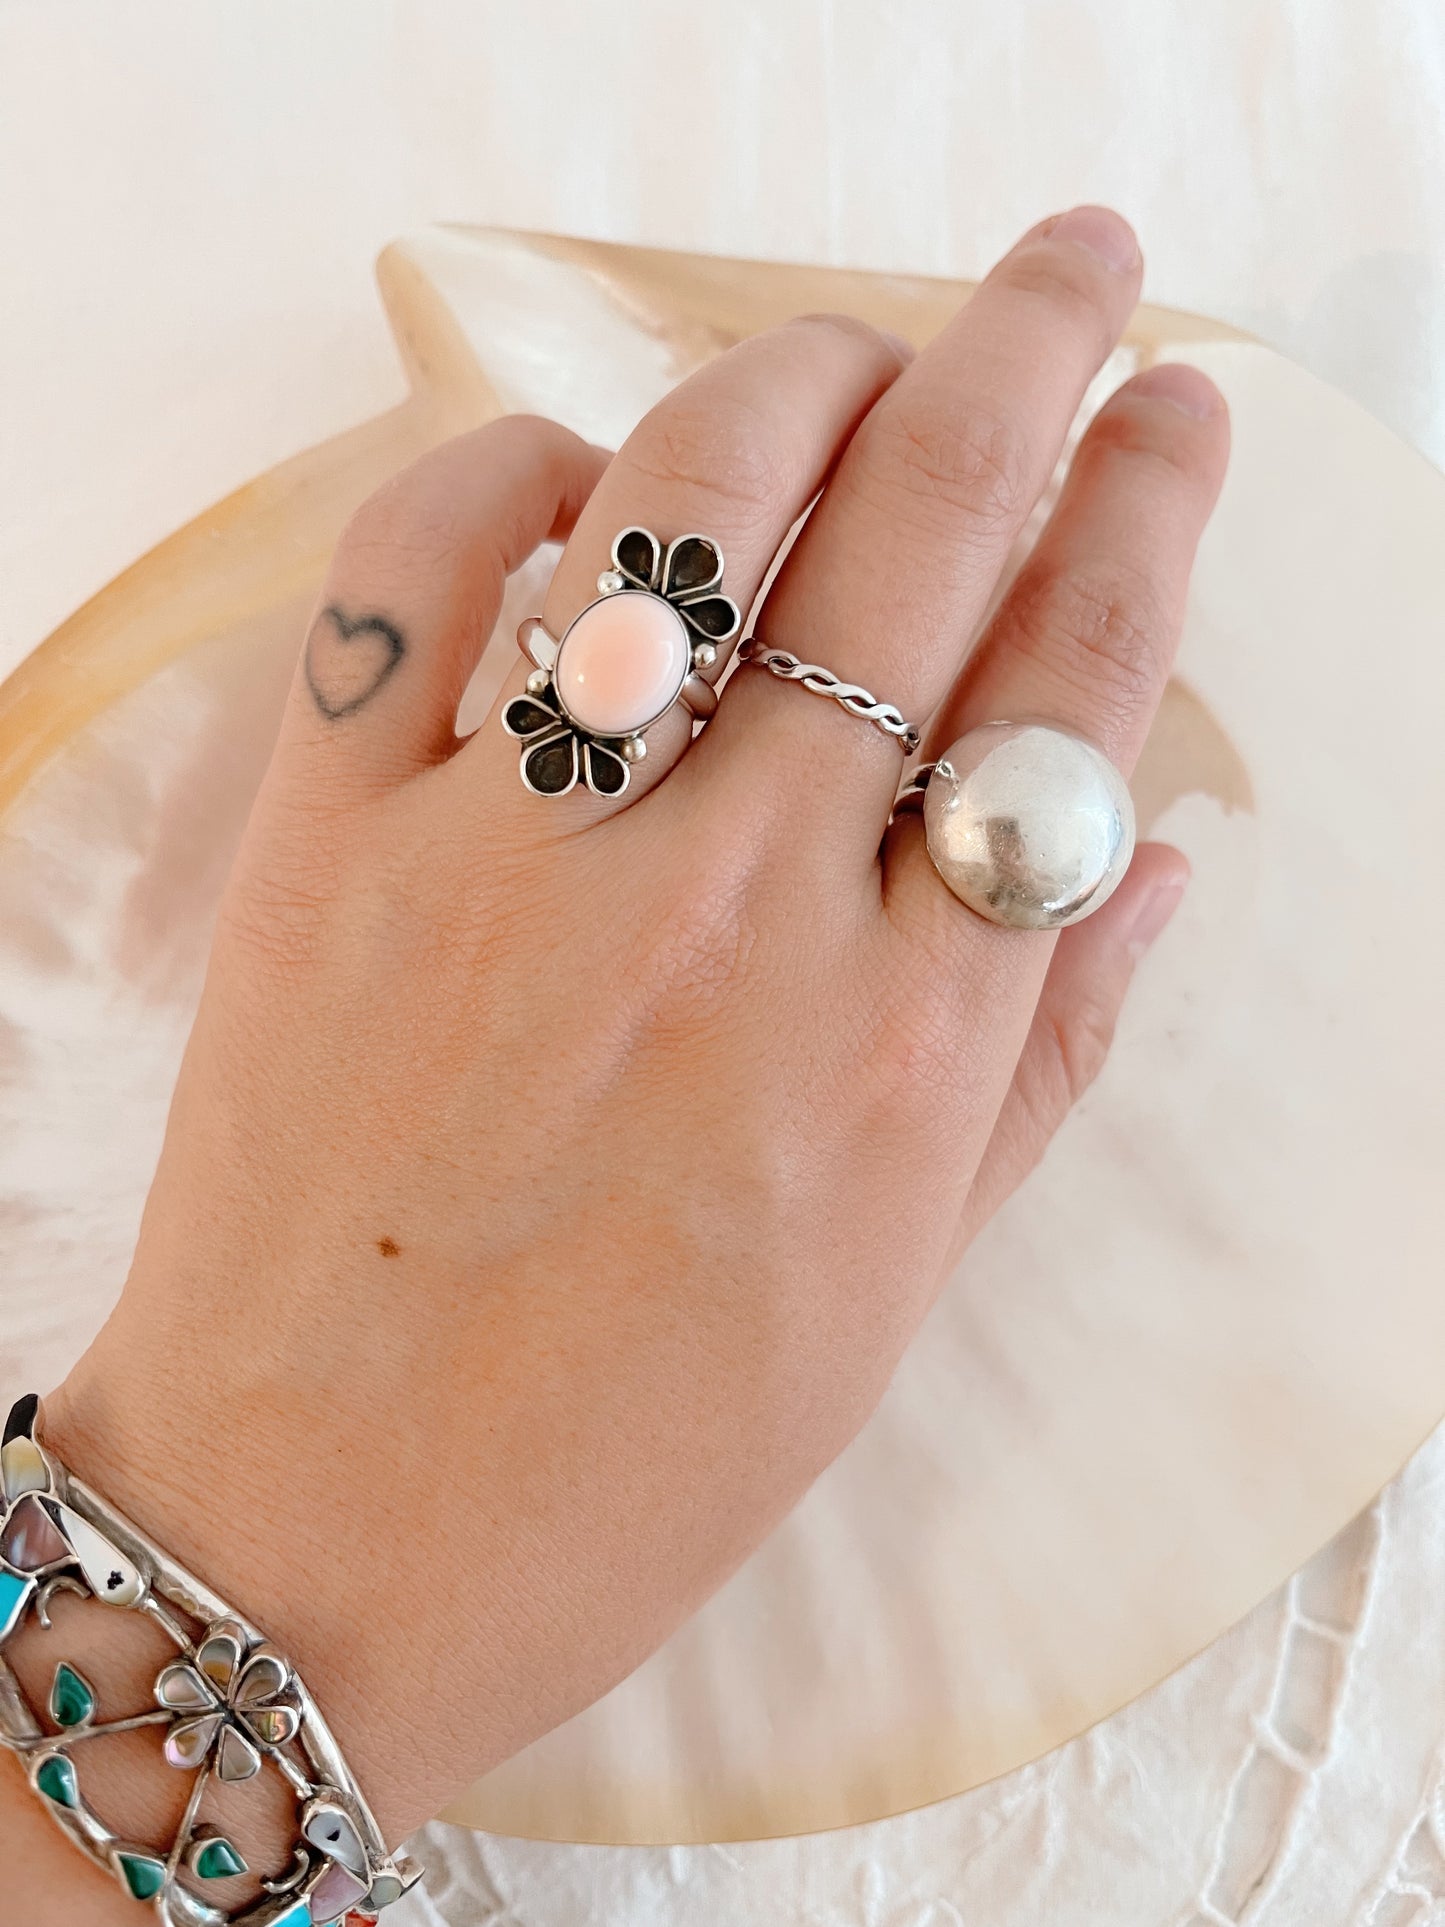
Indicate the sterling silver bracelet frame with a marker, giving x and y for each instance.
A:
(228, 1707)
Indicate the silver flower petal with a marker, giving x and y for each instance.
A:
(528, 716)
(717, 617)
(237, 1758)
(183, 1689)
(272, 1725)
(263, 1676)
(606, 772)
(694, 565)
(637, 554)
(550, 764)
(219, 1656)
(189, 1741)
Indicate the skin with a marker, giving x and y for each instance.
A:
(494, 1298)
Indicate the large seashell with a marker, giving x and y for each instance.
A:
(1216, 1304)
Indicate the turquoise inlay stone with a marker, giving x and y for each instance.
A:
(71, 1700)
(144, 1877)
(13, 1594)
(217, 1860)
(297, 1916)
(56, 1780)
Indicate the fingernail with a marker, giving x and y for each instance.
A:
(904, 350)
(1103, 232)
(1185, 387)
(1155, 911)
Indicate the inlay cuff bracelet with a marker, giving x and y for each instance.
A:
(227, 1708)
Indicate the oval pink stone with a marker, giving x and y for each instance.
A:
(622, 663)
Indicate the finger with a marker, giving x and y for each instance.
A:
(735, 453)
(413, 592)
(894, 570)
(1092, 967)
(1086, 635)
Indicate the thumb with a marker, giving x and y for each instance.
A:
(1073, 1026)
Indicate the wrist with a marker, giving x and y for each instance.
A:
(177, 1674)
(231, 1505)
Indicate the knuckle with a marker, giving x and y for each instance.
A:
(697, 941)
(1065, 286)
(536, 443)
(537, 432)
(955, 464)
(721, 453)
(405, 525)
(918, 1044)
(916, 1050)
(853, 331)
(1160, 442)
(1094, 630)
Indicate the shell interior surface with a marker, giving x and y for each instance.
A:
(1254, 1178)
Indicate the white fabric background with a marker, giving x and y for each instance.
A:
(190, 200)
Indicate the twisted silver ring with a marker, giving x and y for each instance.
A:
(822, 682)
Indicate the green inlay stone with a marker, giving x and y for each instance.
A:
(71, 1700)
(144, 1877)
(56, 1780)
(217, 1860)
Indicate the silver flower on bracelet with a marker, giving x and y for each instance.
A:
(234, 1703)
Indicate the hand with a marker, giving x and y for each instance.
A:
(552, 1186)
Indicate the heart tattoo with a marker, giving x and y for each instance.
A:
(348, 661)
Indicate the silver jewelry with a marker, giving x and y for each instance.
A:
(822, 682)
(659, 620)
(228, 1706)
(1028, 825)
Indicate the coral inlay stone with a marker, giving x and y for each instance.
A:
(335, 1893)
(622, 663)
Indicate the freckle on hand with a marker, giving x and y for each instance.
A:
(388, 1247)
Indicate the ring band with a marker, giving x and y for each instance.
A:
(822, 682)
(625, 661)
(1029, 826)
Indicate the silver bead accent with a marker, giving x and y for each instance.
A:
(704, 656)
(537, 682)
(1030, 826)
(611, 582)
(632, 749)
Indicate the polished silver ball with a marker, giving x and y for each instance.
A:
(1029, 826)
